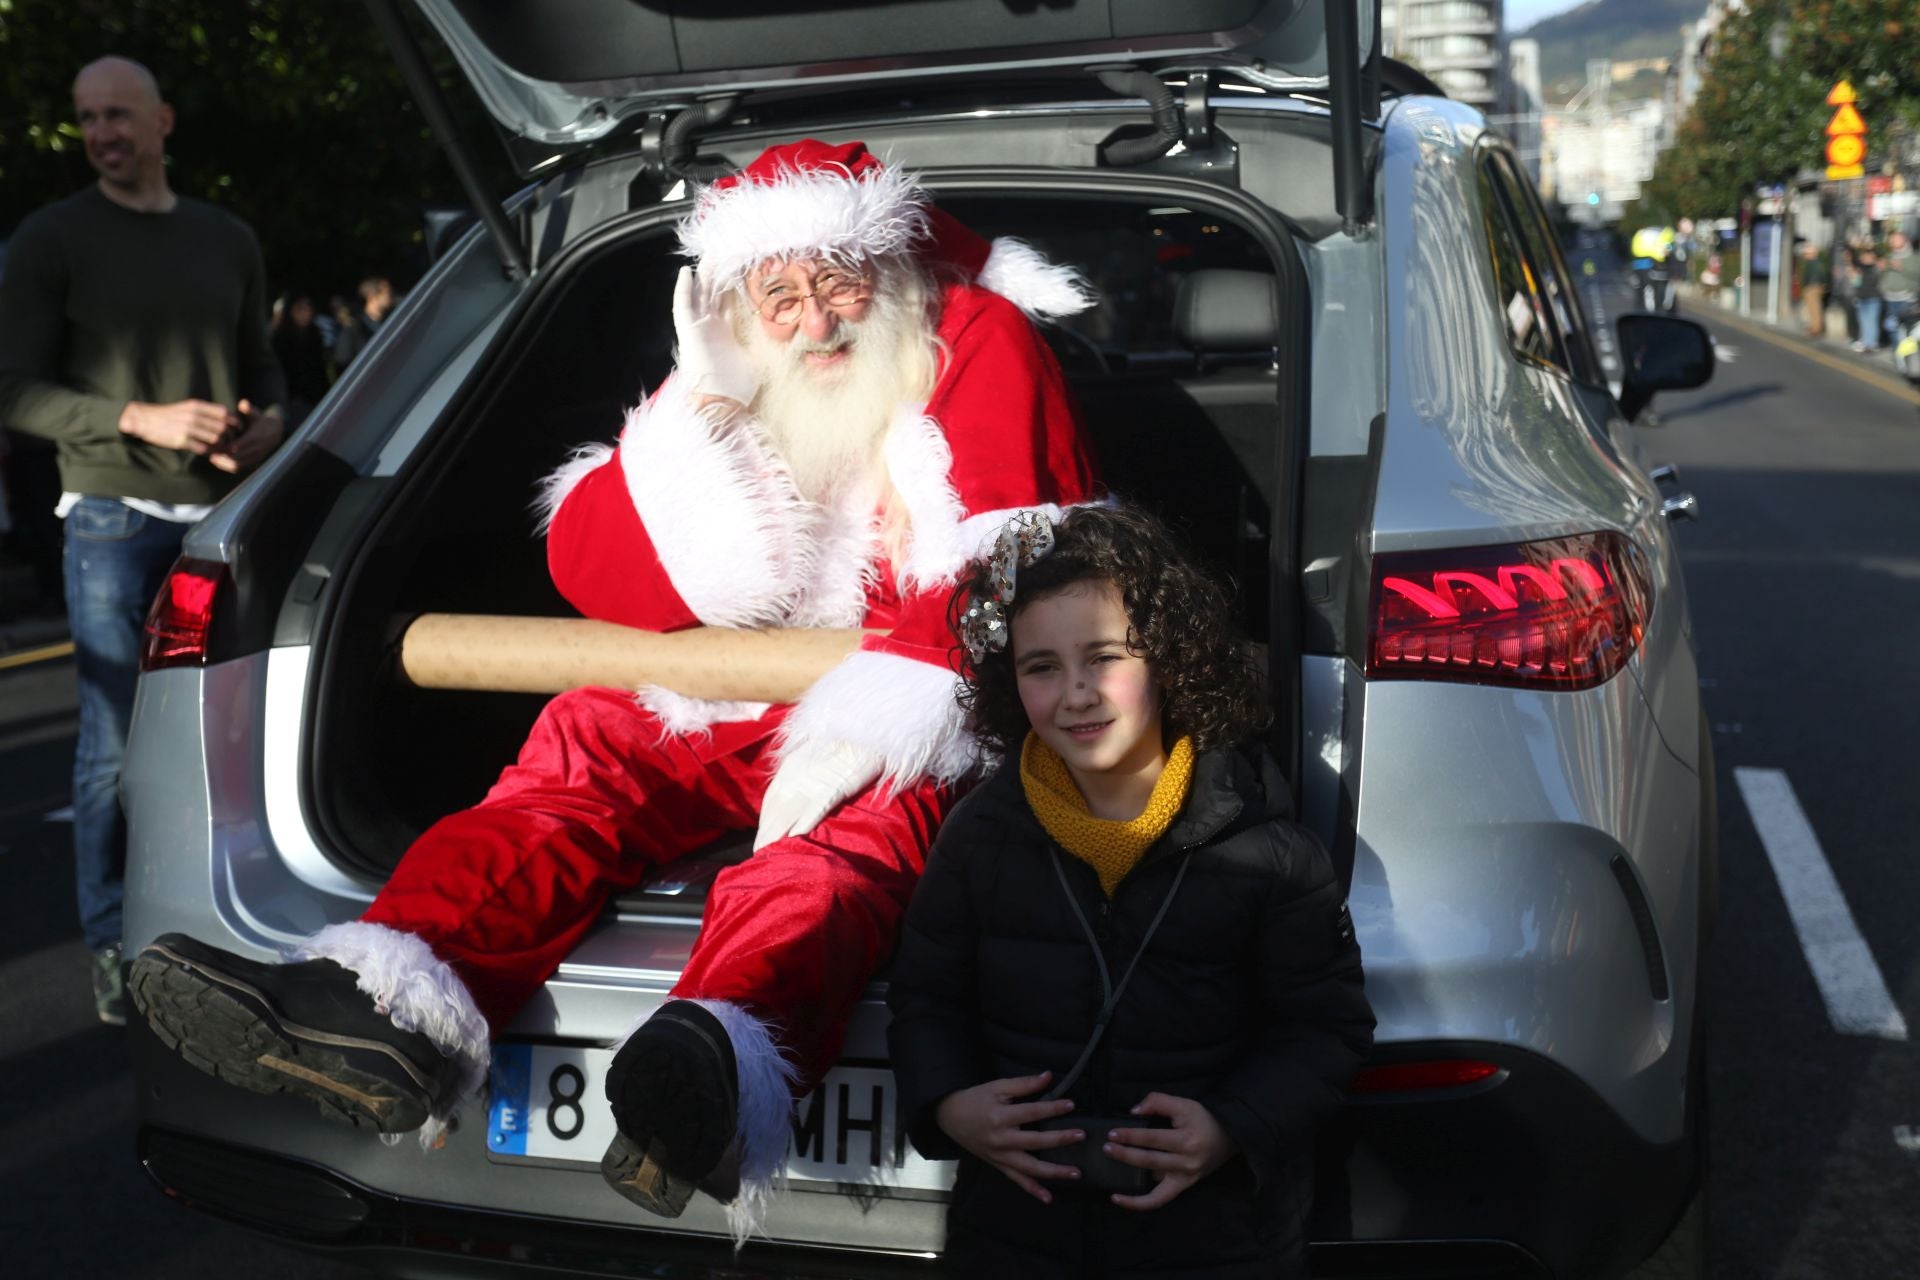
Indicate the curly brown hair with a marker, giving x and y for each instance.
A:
(1214, 681)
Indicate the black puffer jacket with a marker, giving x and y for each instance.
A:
(1249, 999)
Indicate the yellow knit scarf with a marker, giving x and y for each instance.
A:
(1110, 848)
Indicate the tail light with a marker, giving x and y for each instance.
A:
(182, 615)
(1560, 613)
(1418, 1077)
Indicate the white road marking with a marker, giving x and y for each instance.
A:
(1843, 966)
(60, 815)
(1906, 1139)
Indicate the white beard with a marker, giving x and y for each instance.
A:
(828, 425)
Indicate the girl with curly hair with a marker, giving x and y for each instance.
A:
(1128, 989)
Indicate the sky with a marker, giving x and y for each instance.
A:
(1522, 14)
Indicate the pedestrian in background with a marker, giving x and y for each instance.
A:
(1814, 278)
(1840, 290)
(1899, 283)
(1170, 1109)
(376, 301)
(1866, 298)
(133, 333)
(302, 356)
(330, 321)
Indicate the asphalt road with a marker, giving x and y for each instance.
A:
(1804, 571)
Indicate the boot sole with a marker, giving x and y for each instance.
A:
(639, 1177)
(679, 1062)
(229, 1030)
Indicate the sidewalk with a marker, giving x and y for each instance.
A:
(1833, 345)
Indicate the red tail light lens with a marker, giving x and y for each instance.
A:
(182, 615)
(1412, 1077)
(1561, 613)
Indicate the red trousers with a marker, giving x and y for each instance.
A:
(503, 892)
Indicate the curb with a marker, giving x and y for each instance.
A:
(1879, 372)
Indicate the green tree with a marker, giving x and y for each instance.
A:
(290, 114)
(1761, 113)
(1875, 44)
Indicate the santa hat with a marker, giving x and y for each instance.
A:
(841, 203)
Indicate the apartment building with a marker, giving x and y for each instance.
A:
(1458, 43)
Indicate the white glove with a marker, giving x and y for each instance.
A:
(809, 784)
(711, 360)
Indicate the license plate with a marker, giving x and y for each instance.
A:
(549, 1106)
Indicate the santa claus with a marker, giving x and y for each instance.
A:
(860, 402)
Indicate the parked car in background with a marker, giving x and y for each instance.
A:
(1374, 401)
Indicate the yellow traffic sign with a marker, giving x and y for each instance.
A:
(1846, 150)
(1846, 140)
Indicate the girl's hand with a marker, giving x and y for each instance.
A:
(986, 1121)
(1194, 1147)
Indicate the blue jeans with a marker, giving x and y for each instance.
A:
(1869, 311)
(116, 559)
(1894, 319)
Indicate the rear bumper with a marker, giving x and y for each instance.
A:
(324, 1211)
(1529, 1177)
(1533, 1168)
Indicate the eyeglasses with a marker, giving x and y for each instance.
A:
(784, 303)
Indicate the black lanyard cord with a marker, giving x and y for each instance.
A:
(1109, 991)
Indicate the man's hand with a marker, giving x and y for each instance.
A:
(259, 435)
(986, 1121)
(809, 784)
(195, 426)
(1194, 1147)
(711, 363)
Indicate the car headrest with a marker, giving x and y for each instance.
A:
(1219, 310)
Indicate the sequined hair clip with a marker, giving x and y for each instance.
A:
(1020, 543)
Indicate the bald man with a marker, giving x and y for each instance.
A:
(132, 334)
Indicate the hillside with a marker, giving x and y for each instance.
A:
(1619, 29)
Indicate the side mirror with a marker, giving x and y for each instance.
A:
(1660, 353)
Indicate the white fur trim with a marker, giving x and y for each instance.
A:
(420, 992)
(816, 213)
(680, 714)
(722, 512)
(920, 464)
(944, 537)
(555, 488)
(766, 1114)
(1023, 276)
(842, 570)
(901, 709)
(764, 1110)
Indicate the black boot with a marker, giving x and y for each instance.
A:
(674, 1088)
(303, 1028)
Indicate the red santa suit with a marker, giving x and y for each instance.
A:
(691, 520)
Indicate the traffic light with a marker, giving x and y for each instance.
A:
(1593, 197)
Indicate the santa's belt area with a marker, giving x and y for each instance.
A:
(490, 653)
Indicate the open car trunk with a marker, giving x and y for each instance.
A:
(1190, 374)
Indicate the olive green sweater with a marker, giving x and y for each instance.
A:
(101, 305)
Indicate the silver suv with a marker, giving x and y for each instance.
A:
(1338, 345)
